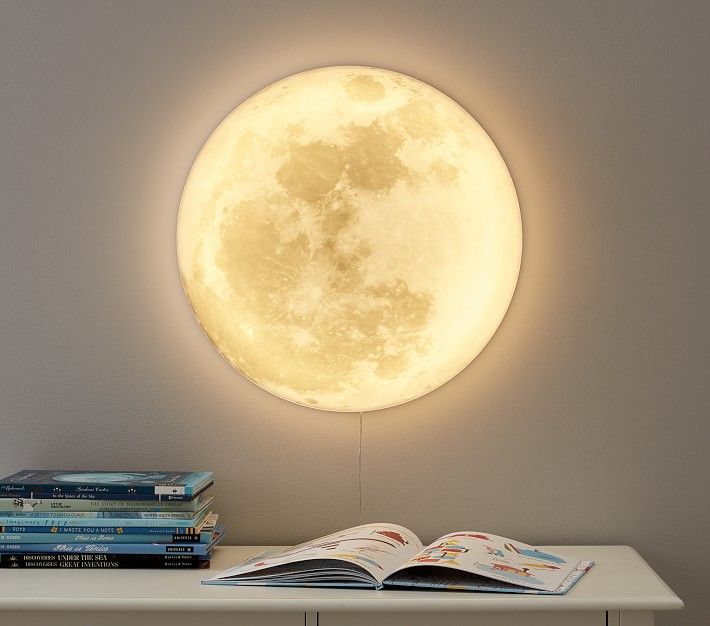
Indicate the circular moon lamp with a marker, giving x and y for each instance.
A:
(349, 238)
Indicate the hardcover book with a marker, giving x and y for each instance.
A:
(109, 514)
(386, 555)
(112, 530)
(62, 505)
(46, 484)
(202, 549)
(206, 525)
(103, 519)
(104, 561)
(103, 537)
(137, 497)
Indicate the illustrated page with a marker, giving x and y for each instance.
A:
(377, 548)
(494, 557)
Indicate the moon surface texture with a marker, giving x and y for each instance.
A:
(349, 238)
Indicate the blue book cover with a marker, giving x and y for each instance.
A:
(108, 497)
(111, 514)
(115, 530)
(109, 548)
(86, 505)
(72, 483)
(45, 538)
(106, 519)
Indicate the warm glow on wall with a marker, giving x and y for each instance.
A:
(349, 238)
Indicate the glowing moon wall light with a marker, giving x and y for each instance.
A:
(349, 238)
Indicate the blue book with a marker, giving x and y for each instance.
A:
(104, 485)
(106, 520)
(108, 548)
(107, 497)
(86, 505)
(104, 561)
(115, 530)
(111, 514)
(44, 538)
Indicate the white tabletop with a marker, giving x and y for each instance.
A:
(620, 580)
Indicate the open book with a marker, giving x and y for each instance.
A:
(387, 555)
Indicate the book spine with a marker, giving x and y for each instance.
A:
(20, 505)
(103, 548)
(102, 561)
(109, 522)
(116, 515)
(186, 487)
(68, 489)
(29, 492)
(117, 530)
(45, 538)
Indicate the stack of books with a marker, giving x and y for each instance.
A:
(72, 519)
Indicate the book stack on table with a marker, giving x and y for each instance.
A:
(109, 520)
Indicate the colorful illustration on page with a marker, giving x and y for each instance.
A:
(495, 551)
(357, 558)
(444, 553)
(534, 553)
(376, 547)
(392, 534)
(515, 574)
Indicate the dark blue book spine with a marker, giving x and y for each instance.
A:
(149, 530)
(28, 492)
(103, 561)
(201, 549)
(47, 538)
(99, 490)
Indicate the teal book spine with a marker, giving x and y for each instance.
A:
(111, 522)
(108, 514)
(48, 538)
(92, 530)
(79, 505)
(105, 548)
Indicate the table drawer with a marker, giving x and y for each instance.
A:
(482, 618)
(150, 618)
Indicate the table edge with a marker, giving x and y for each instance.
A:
(443, 602)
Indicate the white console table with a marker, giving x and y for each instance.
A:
(620, 590)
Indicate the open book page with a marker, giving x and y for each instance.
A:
(451, 579)
(377, 549)
(489, 556)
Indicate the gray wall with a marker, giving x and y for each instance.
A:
(585, 418)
